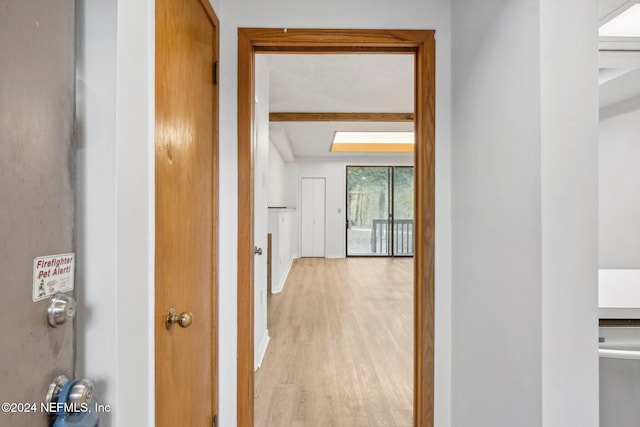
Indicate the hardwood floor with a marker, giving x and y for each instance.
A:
(341, 350)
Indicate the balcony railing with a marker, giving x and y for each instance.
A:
(402, 237)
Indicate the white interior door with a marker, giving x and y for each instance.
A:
(306, 217)
(312, 217)
(260, 208)
(318, 219)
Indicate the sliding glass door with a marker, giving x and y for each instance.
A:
(379, 211)
(402, 214)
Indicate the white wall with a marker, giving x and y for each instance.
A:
(619, 191)
(410, 14)
(115, 206)
(496, 215)
(569, 136)
(277, 178)
(283, 226)
(283, 223)
(292, 184)
(524, 177)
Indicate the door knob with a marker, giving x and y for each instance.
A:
(183, 320)
(257, 250)
(79, 394)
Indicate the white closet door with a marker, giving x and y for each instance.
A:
(312, 217)
(306, 217)
(318, 218)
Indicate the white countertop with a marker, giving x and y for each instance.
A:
(618, 313)
(281, 208)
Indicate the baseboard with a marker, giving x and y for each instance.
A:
(277, 289)
(263, 349)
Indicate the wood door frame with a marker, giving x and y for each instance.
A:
(215, 123)
(420, 43)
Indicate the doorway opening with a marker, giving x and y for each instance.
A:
(421, 44)
(379, 214)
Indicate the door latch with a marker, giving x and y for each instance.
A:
(62, 309)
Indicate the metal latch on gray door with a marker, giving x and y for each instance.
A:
(62, 309)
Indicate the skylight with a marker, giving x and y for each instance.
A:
(627, 24)
(373, 142)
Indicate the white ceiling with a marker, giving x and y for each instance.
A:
(341, 83)
(345, 83)
(619, 62)
(384, 83)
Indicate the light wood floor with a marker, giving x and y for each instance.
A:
(341, 350)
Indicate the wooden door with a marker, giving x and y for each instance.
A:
(186, 211)
(37, 189)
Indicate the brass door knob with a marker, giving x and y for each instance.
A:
(184, 319)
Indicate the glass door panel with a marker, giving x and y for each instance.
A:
(403, 211)
(368, 204)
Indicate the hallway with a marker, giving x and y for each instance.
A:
(341, 346)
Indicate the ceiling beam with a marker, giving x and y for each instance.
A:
(341, 117)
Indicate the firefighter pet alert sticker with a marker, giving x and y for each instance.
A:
(52, 274)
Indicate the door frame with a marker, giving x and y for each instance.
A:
(420, 43)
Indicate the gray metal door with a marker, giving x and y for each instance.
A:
(37, 182)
